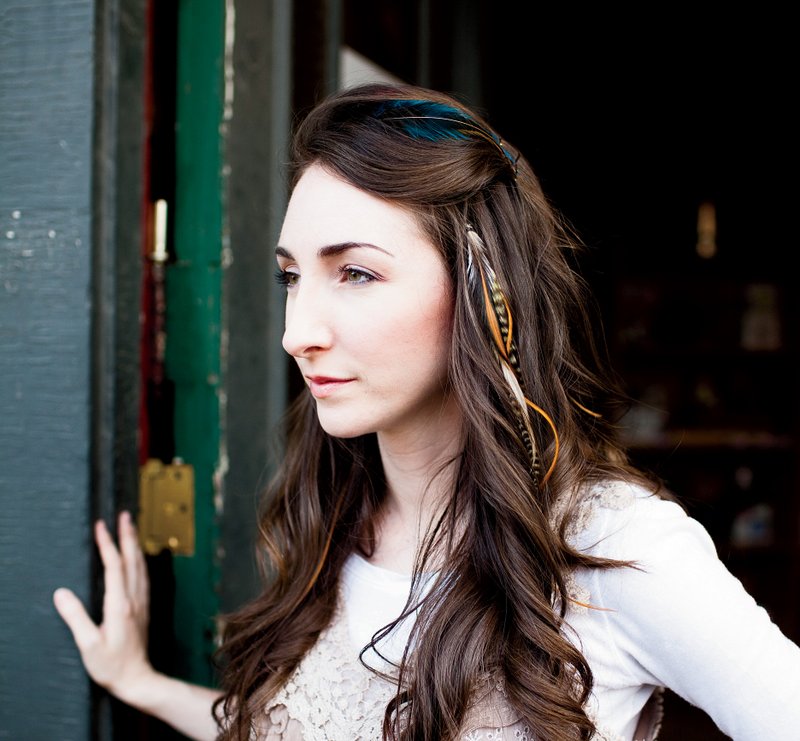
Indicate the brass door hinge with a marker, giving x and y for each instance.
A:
(166, 507)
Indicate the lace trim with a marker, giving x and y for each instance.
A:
(579, 596)
(331, 695)
(584, 505)
(583, 508)
(490, 709)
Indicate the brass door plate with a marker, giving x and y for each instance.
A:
(166, 507)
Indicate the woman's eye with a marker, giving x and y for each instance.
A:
(286, 278)
(356, 275)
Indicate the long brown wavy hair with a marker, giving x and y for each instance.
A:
(502, 602)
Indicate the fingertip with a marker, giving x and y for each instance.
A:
(74, 614)
(126, 519)
(103, 539)
(61, 597)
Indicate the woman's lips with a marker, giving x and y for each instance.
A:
(323, 386)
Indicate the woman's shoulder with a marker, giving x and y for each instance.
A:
(622, 519)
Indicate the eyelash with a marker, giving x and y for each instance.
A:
(367, 277)
(288, 279)
(284, 278)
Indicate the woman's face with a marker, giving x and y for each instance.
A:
(368, 308)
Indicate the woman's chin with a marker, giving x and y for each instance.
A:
(344, 429)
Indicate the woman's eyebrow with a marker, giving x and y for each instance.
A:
(331, 250)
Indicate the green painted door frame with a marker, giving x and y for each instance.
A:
(194, 321)
(224, 311)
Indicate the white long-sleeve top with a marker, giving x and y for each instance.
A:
(680, 620)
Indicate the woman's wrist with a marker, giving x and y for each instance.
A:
(139, 688)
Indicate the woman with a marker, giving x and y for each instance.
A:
(455, 544)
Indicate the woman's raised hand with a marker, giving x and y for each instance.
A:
(115, 652)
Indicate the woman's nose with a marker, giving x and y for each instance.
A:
(307, 329)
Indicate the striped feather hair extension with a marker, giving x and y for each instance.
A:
(499, 319)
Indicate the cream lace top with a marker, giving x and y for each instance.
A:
(333, 696)
(681, 621)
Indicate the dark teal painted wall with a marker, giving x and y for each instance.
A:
(46, 113)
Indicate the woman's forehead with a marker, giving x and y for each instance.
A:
(324, 209)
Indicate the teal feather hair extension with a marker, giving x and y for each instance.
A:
(424, 119)
(432, 121)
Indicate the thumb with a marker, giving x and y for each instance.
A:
(74, 614)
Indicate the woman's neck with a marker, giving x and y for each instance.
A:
(420, 467)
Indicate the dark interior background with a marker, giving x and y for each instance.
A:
(632, 124)
(629, 118)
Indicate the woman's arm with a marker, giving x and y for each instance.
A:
(115, 652)
(683, 621)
